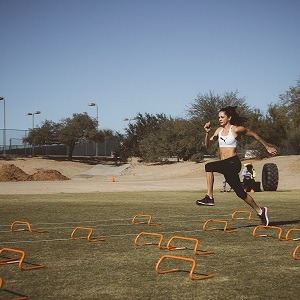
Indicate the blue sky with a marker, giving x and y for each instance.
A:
(131, 56)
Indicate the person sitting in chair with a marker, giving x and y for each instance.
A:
(248, 174)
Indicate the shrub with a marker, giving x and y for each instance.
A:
(197, 157)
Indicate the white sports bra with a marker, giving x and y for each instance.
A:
(227, 140)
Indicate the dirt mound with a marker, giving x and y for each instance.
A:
(49, 175)
(10, 172)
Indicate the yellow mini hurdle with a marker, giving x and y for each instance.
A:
(149, 218)
(279, 229)
(294, 255)
(287, 236)
(196, 241)
(85, 237)
(160, 236)
(249, 213)
(19, 261)
(205, 225)
(27, 225)
(191, 273)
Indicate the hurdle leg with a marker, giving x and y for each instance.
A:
(197, 252)
(205, 226)
(27, 224)
(254, 233)
(294, 255)
(19, 261)
(149, 243)
(149, 217)
(249, 213)
(87, 237)
(191, 273)
(288, 233)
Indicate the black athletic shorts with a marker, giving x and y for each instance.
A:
(230, 168)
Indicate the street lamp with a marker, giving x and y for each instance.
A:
(129, 120)
(32, 114)
(4, 126)
(94, 104)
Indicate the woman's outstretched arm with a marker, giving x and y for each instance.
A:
(248, 132)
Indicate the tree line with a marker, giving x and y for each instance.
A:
(68, 131)
(158, 137)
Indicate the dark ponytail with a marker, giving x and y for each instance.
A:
(236, 119)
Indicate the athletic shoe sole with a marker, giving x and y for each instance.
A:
(205, 204)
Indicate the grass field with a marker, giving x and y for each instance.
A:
(245, 267)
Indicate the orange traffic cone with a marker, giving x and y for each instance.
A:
(113, 179)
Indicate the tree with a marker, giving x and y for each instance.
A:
(68, 131)
(73, 130)
(142, 126)
(174, 138)
(286, 118)
(206, 108)
(47, 134)
(291, 101)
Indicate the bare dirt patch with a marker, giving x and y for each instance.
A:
(46, 175)
(187, 176)
(10, 172)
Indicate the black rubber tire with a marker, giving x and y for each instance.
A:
(270, 177)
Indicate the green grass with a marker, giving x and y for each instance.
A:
(245, 267)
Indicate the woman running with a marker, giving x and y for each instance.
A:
(230, 165)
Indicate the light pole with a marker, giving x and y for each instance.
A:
(4, 126)
(32, 114)
(94, 104)
(128, 120)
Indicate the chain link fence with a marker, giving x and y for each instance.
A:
(13, 145)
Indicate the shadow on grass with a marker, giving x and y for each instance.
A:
(274, 223)
(291, 222)
(20, 296)
(194, 273)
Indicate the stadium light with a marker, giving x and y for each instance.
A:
(4, 126)
(94, 104)
(130, 119)
(32, 114)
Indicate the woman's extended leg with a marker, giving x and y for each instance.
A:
(234, 181)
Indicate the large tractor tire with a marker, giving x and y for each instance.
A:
(270, 177)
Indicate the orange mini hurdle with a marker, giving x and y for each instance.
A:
(268, 227)
(294, 255)
(148, 243)
(288, 233)
(85, 237)
(191, 273)
(149, 217)
(217, 221)
(19, 261)
(197, 252)
(27, 224)
(249, 213)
